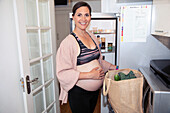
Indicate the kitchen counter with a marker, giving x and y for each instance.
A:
(156, 99)
(153, 81)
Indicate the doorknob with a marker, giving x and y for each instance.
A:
(28, 81)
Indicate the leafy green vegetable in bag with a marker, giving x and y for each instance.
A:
(131, 74)
(123, 76)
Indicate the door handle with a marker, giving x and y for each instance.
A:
(28, 82)
(33, 81)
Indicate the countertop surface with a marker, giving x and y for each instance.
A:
(153, 81)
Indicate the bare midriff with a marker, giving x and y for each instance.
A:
(89, 84)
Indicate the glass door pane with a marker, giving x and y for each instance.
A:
(31, 12)
(49, 91)
(51, 110)
(44, 12)
(33, 43)
(47, 63)
(38, 101)
(46, 42)
(35, 72)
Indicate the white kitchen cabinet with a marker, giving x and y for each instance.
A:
(161, 17)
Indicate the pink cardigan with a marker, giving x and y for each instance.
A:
(66, 62)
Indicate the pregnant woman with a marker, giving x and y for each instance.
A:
(80, 68)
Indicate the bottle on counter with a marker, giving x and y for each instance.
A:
(98, 38)
(103, 44)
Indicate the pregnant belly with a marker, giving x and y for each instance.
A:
(89, 84)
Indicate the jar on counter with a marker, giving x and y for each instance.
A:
(110, 47)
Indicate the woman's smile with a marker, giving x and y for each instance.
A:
(83, 23)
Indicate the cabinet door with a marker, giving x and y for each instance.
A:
(161, 17)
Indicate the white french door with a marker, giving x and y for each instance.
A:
(35, 25)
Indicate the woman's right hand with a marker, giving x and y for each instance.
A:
(97, 73)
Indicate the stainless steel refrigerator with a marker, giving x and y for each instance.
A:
(105, 26)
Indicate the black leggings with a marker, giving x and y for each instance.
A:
(82, 101)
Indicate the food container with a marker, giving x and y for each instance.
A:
(103, 42)
(100, 30)
(110, 45)
(94, 29)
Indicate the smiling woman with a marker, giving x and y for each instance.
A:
(80, 67)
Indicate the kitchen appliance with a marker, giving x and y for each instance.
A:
(135, 50)
(161, 68)
(156, 90)
(105, 27)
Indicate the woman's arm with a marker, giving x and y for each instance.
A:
(65, 64)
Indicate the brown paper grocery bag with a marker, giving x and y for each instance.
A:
(125, 96)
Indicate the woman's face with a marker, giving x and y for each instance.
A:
(82, 18)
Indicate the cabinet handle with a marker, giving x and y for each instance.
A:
(161, 31)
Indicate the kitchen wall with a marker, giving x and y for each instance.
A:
(134, 55)
(11, 99)
(95, 4)
(139, 54)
